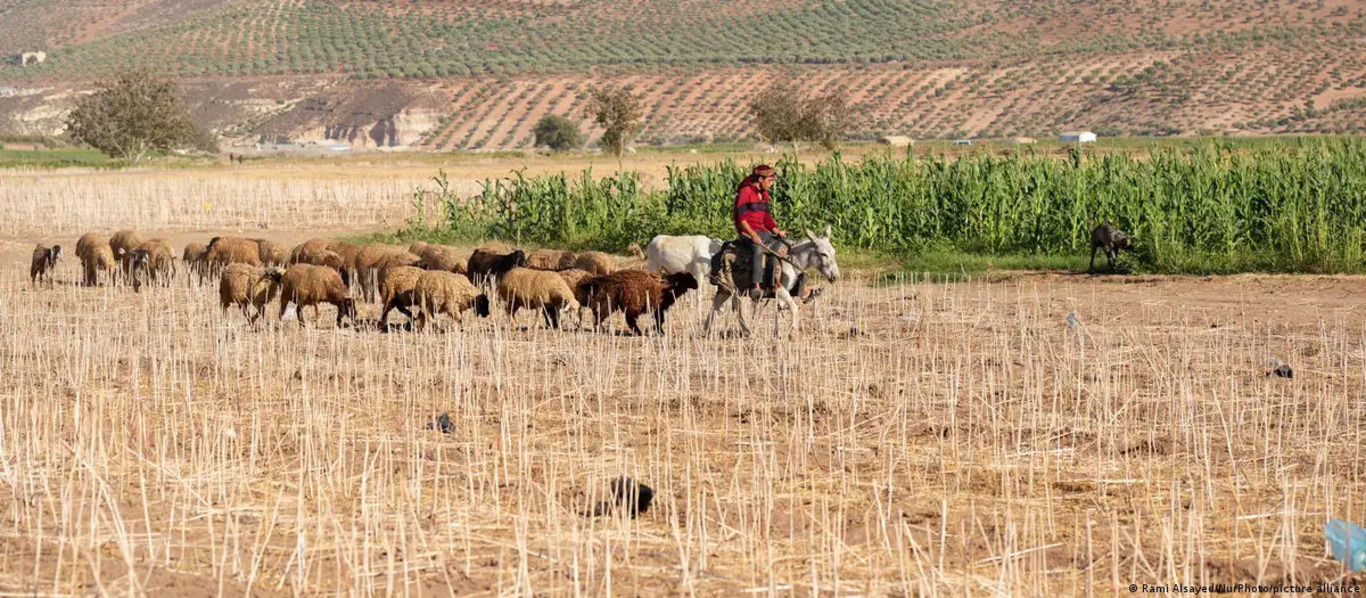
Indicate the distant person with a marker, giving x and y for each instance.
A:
(230, 158)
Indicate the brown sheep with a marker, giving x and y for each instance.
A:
(397, 291)
(389, 262)
(271, 253)
(368, 263)
(44, 264)
(536, 289)
(636, 292)
(486, 266)
(395, 260)
(447, 259)
(439, 292)
(87, 242)
(248, 286)
(418, 247)
(347, 251)
(324, 257)
(309, 247)
(196, 258)
(232, 250)
(575, 278)
(308, 285)
(153, 259)
(597, 262)
(124, 242)
(547, 259)
(96, 256)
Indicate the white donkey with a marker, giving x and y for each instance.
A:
(811, 252)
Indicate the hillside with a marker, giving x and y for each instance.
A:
(477, 74)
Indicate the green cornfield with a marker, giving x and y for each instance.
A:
(1298, 206)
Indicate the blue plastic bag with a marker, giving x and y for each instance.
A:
(1340, 534)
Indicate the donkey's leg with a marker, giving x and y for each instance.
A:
(785, 298)
(741, 309)
(716, 303)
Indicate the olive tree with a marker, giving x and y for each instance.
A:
(135, 113)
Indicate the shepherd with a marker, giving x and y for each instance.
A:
(759, 232)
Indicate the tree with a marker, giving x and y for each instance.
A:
(558, 133)
(784, 113)
(618, 112)
(135, 113)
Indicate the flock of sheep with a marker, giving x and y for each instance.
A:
(431, 280)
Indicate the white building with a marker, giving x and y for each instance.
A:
(1078, 137)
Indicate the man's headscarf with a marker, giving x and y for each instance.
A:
(761, 170)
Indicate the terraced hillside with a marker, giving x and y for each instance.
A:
(477, 74)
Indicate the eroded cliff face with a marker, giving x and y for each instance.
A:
(268, 110)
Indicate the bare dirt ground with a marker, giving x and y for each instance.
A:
(920, 439)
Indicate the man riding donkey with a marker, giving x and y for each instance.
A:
(759, 235)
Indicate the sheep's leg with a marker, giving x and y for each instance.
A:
(1110, 259)
(384, 315)
(659, 321)
(631, 322)
(1092, 268)
(716, 303)
(552, 317)
(403, 309)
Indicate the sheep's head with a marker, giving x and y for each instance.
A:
(55, 253)
(481, 306)
(680, 283)
(275, 274)
(346, 278)
(346, 309)
(518, 259)
(212, 242)
(139, 258)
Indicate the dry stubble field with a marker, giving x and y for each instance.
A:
(923, 439)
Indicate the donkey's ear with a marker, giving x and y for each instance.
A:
(809, 234)
(827, 231)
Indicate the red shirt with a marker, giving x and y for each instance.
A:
(753, 206)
